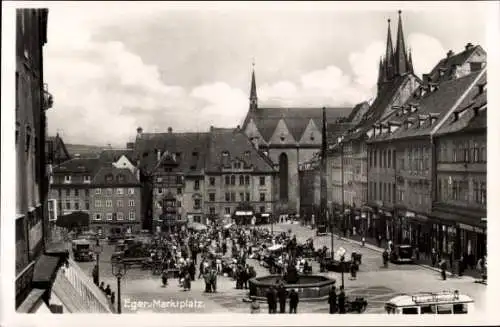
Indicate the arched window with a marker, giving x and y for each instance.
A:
(242, 180)
(283, 173)
(233, 180)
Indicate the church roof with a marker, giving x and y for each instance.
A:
(236, 145)
(384, 98)
(296, 119)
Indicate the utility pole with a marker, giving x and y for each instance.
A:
(323, 186)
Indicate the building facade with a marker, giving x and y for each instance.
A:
(115, 201)
(461, 178)
(396, 83)
(310, 191)
(403, 169)
(205, 177)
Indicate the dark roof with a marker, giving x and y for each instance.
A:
(60, 152)
(185, 144)
(109, 156)
(78, 165)
(296, 119)
(447, 64)
(467, 120)
(238, 146)
(333, 131)
(358, 110)
(108, 169)
(385, 96)
(438, 103)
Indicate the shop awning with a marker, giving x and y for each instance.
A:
(243, 213)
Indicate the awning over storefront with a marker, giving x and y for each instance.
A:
(243, 213)
(455, 218)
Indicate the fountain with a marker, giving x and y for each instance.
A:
(309, 287)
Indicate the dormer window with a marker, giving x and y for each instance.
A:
(109, 178)
(225, 154)
(312, 136)
(121, 178)
(282, 137)
(237, 165)
(86, 179)
(67, 179)
(247, 153)
(433, 119)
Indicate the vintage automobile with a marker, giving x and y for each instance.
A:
(402, 254)
(81, 250)
(321, 229)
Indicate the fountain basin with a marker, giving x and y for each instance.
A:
(309, 287)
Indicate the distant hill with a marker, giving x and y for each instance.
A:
(84, 150)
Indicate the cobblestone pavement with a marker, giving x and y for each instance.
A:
(375, 283)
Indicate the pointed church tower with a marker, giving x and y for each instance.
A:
(401, 59)
(381, 72)
(389, 55)
(253, 90)
(410, 63)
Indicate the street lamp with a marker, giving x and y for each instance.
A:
(97, 251)
(342, 261)
(119, 270)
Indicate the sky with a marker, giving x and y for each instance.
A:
(113, 67)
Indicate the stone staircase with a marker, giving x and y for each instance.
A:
(78, 293)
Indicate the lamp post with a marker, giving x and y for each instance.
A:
(342, 262)
(97, 251)
(119, 269)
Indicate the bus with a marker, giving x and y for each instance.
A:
(445, 302)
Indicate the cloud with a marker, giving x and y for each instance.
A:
(426, 52)
(103, 90)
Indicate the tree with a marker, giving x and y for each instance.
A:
(74, 220)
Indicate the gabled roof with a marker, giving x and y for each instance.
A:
(78, 165)
(385, 95)
(466, 114)
(112, 155)
(438, 103)
(106, 170)
(59, 148)
(238, 146)
(357, 110)
(446, 64)
(296, 119)
(185, 144)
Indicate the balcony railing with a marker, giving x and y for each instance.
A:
(92, 295)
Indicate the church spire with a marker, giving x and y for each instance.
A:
(381, 71)
(253, 90)
(389, 54)
(401, 59)
(410, 63)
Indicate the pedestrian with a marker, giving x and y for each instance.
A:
(379, 240)
(353, 270)
(294, 301)
(269, 297)
(385, 258)
(112, 299)
(433, 257)
(164, 278)
(443, 269)
(101, 286)
(282, 295)
(95, 275)
(341, 299)
(332, 300)
(208, 286)
(107, 291)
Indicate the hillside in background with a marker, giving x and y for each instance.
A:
(84, 150)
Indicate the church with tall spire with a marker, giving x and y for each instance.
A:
(289, 136)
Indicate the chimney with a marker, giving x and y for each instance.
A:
(169, 130)
(468, 46)
(139, 132)
(450, 53)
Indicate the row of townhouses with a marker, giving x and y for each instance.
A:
(412, 166)
(41, 284)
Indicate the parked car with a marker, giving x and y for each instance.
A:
(402, 253)
(81, 250)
